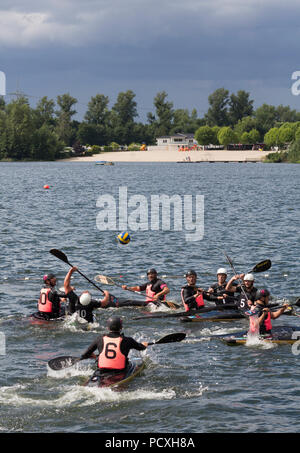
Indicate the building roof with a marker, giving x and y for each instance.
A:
(179, 135)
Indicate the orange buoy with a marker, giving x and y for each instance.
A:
(46, 186)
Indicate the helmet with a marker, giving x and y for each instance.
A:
(262, 293)
(48, 276)
(151, 271)
(249, 277)
(191, 272)
(85, 298)
(115, 324)
(222, 270)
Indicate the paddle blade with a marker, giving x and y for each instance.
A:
(104, 280)
(60, 255)
(262, 266)
(62, 362)
(169, 304)
(171, 338)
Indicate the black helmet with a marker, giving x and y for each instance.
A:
(151, 271)
(262, 293)
(115, 324)
(191, 272)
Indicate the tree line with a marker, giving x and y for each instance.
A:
(44, 131)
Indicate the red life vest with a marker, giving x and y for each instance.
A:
(150, 293)
(199, 301)
(111, 355)
(267, 322)
(44, 304)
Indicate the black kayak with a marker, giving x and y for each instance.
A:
(116, 378)
(228, 315)
(279, 335)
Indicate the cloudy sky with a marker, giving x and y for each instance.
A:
(187, 48)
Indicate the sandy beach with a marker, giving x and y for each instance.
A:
(175, 156)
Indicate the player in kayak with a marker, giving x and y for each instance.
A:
(85, 304)
(49, 304)
(262, 312)
(217, 291)
(156, 289)
(113, 348)
(245, 291)
(192, 296)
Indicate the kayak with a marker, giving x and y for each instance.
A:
(37, 318)
(229, 315)
(103, 162)
(280, 335)
(116, 379)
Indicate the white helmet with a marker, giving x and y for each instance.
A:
(222, 270)
(85, 298)
(249, 277)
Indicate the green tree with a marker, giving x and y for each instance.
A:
(92, 134)
(266, 117)
(245, 124)
(244, 138)
(205, 135)
(286, 135)
(217, 114)
(125, 108)
(271, 137)
(254, 136)
(297, 134)
(293, 153)
(285, 114)
(65, 128)
(184, 122)
(164, 114)
(44, 112)
(19, 129)
(226, 136)
(2, 103)
(98, 112)
(240, 106)
(45, 144)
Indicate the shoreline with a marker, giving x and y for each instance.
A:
(174, 156)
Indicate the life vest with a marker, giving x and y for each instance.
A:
(150, 293)
(199, 301)
(44, 304)
(111, 356)
(267, 322)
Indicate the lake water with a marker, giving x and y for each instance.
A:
(251, 211)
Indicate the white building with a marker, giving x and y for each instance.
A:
(176, 139)
(176, 142)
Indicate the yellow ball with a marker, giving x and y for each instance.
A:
(124, 238)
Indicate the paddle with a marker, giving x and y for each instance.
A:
(61, 256)
(240, 281)
(171, 338)
(105, 280)
(261, 267)
(62, 362)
